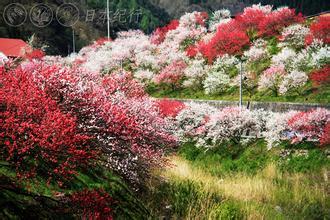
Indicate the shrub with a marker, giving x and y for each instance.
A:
(92, 204)
(171, 74)
(271, 78)
(274, 22)
(120, 120)
(321, 77)
(251, 17)
(228, 39)
(313, 161)
(159, 34)
(36, 136)
(320, 30)
(170, 108)
(308, 125)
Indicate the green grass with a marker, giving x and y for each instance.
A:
(244, 183)
(309, 95)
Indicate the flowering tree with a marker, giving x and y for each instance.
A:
(92, 204)
(257, 52)
(120, 120)
(160, 33)
(294, 36)
(229, 125)
(228, 39)
(321, 77)
(309, 125)
(277, 128)
(219, 76)
(170, 108)
(195, 74)
(320, 30)
(293, 82)
(219, 17)
(271, 78)
(252, 17)
(191, 120)
(273, 23)
(171, 74)
(35, 132)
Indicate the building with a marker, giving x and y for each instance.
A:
(13, 48)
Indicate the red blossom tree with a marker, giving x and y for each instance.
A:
(121, 121)
(309, 125)
(274, 22)
(229, 39)
(325, 138)
(36, 137)
(93, 204)
(320, 30)
(160, 33)
(321, 77)
(201, 18)
(170, 108)
(250, 19)
(191, 51)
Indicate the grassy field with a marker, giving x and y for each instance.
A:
(254, 184)
(309, 95)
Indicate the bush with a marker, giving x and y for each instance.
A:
(274, 22)
(321, 77)
(159, 34)
(320, 30)
(229, 39)
(170, 108)
(35, 132)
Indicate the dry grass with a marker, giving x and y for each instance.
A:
(256, 193)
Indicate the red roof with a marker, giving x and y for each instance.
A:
(13, 47)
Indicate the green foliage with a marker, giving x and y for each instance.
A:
(272, 46)
(186, 200)
(228, 158)
(307, 94)
(37, 199)
(227, 210)
(186, 43)
(312, 161)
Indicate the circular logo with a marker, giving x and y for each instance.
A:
(41, 15)
(67, 14)
(14, 14)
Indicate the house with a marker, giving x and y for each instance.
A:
(13, 48)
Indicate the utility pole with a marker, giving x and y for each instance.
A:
(240, 85)
(73, 42)
(108, 19)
